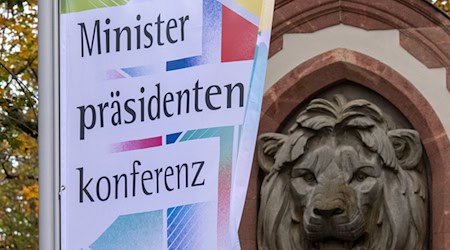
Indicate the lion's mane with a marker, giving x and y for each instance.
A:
(402, 220)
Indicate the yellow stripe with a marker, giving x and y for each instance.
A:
(253, 6)
(266, 16)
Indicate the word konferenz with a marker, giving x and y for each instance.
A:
(154, 105)
(147, 182)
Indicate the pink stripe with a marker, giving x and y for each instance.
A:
(136, 144)
(113, 74)
(224, 207)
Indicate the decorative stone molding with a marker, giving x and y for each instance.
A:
(306, 80)
(424, 31)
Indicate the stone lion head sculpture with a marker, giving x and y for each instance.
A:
(342, 179)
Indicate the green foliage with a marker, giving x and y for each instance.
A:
(10, 4)
(443, 5)
(18, 125)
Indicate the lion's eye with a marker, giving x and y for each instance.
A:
(305, 174)
(309, 177)
(360, 176)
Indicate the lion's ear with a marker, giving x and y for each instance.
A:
(407, 146)
(267, 147)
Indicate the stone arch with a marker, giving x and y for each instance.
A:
(301, 84)
(424, 31)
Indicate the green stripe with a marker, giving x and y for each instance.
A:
(70, 6)
(187, 135)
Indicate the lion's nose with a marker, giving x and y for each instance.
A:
(328, 213)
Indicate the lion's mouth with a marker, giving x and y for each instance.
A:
(338, 233)
(338, 244)
(340, 228)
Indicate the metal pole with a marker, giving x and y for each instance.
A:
(48, 125)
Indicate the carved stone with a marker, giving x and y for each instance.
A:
(342, 178)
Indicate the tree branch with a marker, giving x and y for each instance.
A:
(28, 127)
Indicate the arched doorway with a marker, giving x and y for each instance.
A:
(311, 78)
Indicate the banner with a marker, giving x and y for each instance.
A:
(159, 106)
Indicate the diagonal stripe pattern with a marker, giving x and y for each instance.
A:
(69, 6)
(184, 230)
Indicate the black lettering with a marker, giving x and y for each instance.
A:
(171, 24)
(209, 93)
(158, 24)
(157, 171)
(230, 92)
(125, 185)
(196, 89)
(168, 175)
(83, 125)
(108, 193)
(183, 20)
(185, 166)
(107, 36)
(143, 179)
(148, 35)
(141, 100)
(167, 100)
(84, 189)
(150, 101)
(199, 169)
(134, 173)
(90, 44)
(116, 118)
(102, 107)
(138, 33)
(118, 37)
(130, 111)
(180, 97)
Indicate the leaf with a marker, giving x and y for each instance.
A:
(18, 143)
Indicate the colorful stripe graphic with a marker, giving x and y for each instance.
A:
(172, 138)
(69, 6)
(226, 135)
(143, 231)
(245, 13)
(252, 5)
(229, 34)
(139, 71)
(114, 75)
(248, 133)
(187, 226)
(238, 37)
(211, 38)
(136, 144)
(229, 25)
(265, 24)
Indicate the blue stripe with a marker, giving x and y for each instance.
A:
(185, 230)
(183, 63)
(172, 138)
(138, 71)
(175, 230)
(211, 39)
(176, 219)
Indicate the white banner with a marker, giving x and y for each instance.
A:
(160, 105)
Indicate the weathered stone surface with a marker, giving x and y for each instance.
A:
(342, 177)
(424, 31)
(320, 73)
